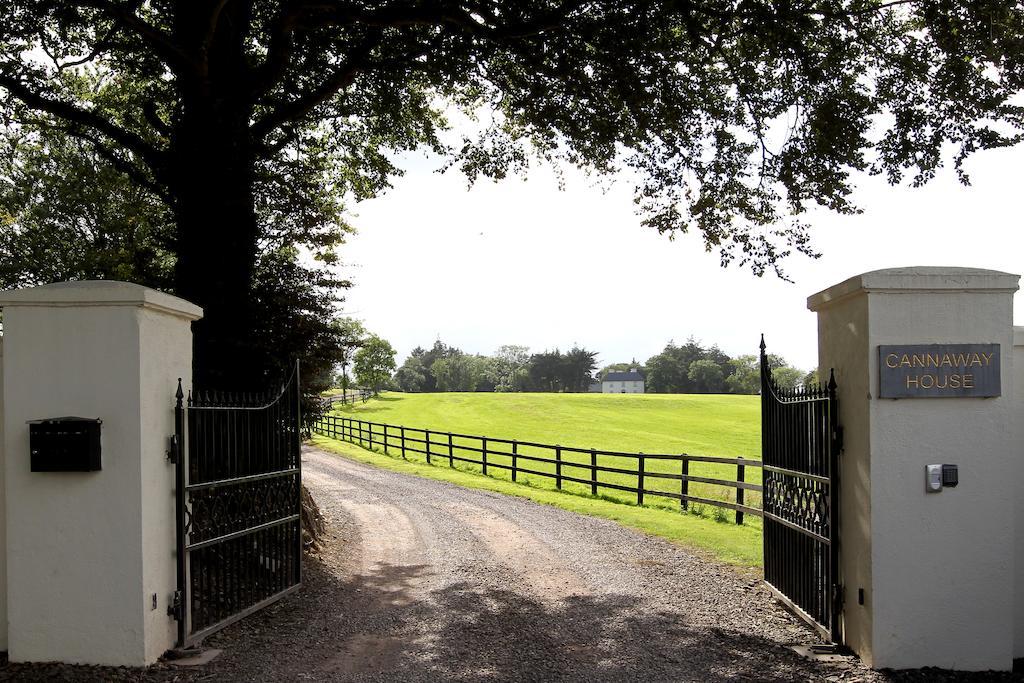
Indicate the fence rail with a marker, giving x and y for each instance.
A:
(349, 398)
(482, 451)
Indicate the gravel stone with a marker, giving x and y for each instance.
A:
(422, 580)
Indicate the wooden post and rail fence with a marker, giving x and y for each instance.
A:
(481, 451)
(348, 398)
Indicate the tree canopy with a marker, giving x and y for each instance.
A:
(254, 123)
(690, 368)
(374, 363)
(694, 368)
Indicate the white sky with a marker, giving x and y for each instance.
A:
(521, 262)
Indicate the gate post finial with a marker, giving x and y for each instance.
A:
(179, 394)
(763, 347)
(832, 380)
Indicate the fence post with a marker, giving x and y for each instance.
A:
(684, 483)
(451, 457)
(362, 437)
(593, 472)
(483, 453)
(403, 442)
(640, 480)
(385, 440)
(426, 443)
(558, 467)
(515, 459)
(740, 469)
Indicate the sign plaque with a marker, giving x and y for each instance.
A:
(938, 371)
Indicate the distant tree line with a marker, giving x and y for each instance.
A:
(510, 368)
(690, 368)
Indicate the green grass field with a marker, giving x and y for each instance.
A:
(723, 425)
(714, 425)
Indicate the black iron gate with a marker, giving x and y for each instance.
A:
(800, 443)
(239, 482)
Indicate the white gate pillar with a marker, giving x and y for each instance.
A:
(3, 523)
(90, 554)
(928, 576)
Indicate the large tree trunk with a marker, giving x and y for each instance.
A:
(217, 235)
(213, 175)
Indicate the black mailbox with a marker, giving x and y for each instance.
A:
(65, 444)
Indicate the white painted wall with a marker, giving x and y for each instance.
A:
(166, 343)
(625, 386)
(1018, 498)
(937, 569)
(3, 514)
(87, 550)
(842, 345)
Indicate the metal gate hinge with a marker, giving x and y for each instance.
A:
(174, 449)
(175, 608)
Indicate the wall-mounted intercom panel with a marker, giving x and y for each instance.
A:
(937, 477)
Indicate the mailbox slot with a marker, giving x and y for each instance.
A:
(65, 444)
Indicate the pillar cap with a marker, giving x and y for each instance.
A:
(100, 293)
(916, 278)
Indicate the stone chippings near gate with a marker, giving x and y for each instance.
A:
(313, 524)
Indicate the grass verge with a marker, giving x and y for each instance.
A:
(738, 545)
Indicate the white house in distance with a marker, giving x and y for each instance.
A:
(629, 382)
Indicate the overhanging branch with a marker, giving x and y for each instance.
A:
(177, 59)
(72, 113)
(123, 165)
(398, 16)
(313, 15)
(341, 78)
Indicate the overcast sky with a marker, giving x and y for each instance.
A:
(521, 262)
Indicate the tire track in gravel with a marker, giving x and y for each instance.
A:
(396, 541)
(494, 587)
(541, 572)
(389, 564)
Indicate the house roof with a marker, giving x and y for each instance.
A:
(631, 376)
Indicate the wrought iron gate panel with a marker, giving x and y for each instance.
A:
(800, 449)
(239, 483)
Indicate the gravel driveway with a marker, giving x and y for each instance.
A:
(430, 581)
(422, 580)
